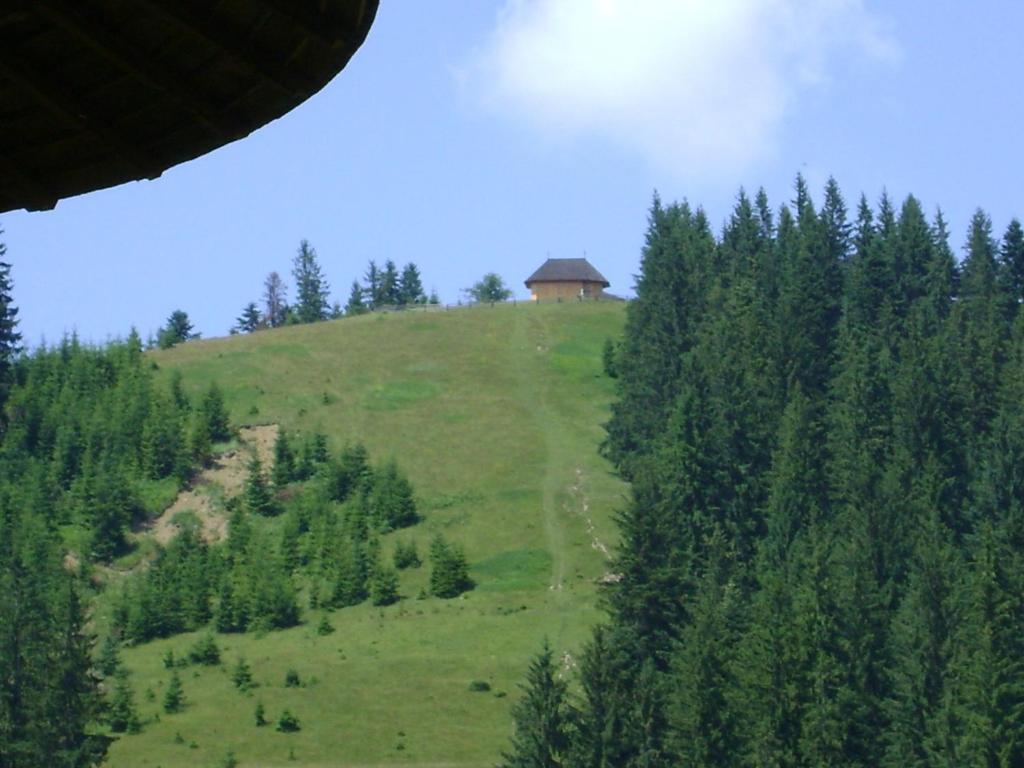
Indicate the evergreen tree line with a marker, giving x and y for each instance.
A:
(87, 428)
(49, 696)
(387, 287)
(822, 561)
(333, 511)
(383, 287)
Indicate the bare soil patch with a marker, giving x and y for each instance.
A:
(220, 481)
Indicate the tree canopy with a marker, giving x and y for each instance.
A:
(820, 560)
(490, 288)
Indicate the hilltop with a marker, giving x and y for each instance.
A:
(495, 414)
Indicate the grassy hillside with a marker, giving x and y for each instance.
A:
(495, 414)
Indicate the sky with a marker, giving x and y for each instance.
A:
(486, 136)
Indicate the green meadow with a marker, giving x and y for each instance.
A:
(495, 414)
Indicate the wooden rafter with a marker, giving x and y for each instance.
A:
(148, 70)
(69, 109)
(227, 38)
(308, 22)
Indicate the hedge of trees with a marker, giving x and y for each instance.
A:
(385, 286)
(328, 541)
(822, 418)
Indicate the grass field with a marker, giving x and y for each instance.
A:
(495, 414)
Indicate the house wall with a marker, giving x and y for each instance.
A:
(563, 291)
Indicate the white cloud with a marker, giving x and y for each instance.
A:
(699, 86)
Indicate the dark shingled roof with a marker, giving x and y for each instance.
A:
(95, 93)
(567, 271)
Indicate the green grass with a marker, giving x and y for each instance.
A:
(495, 413)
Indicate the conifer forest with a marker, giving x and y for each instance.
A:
(821, 414)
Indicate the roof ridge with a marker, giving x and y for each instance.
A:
(569, 269)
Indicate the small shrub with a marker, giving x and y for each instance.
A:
(479, 686)
(406, 556)
(174, 696)
(121, 714)
(169, 662)
(390, 498)
(449, 575)
(260, 715)
(205, 652)
(291, 679)
(241, 675)
(288, 723)
(229, 760)
(384, 586)
(324, 628)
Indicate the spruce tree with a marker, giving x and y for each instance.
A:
(250, 320)
(384, 585)
(256, 494)
(449, 574)
(355, 304)
(72, 697)
(604, 714)
(311, 287)
(809, 296)
(988, 672)
(981, 330)
(177, 330)
(122, 715)
(660, 326)
(174, 696)
(390, 289)
(284, 461)
(391, 499)
(922, 638)
(352, 573)
(10, 339)
(241, 675)
(410, 287)
(542, 717)
(373, 291)
(213, 412)
(109, 660)
(1011, 263)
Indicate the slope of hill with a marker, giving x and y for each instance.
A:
(495, 413)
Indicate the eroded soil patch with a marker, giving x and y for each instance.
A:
(223, 479)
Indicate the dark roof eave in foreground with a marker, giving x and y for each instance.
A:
(95, 94)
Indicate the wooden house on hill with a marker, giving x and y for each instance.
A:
(565, 280)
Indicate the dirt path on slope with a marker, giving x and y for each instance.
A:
(584, 512)
(223, 479)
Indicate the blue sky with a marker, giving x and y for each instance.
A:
(484, 136)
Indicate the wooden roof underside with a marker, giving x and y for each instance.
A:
(96, 93)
